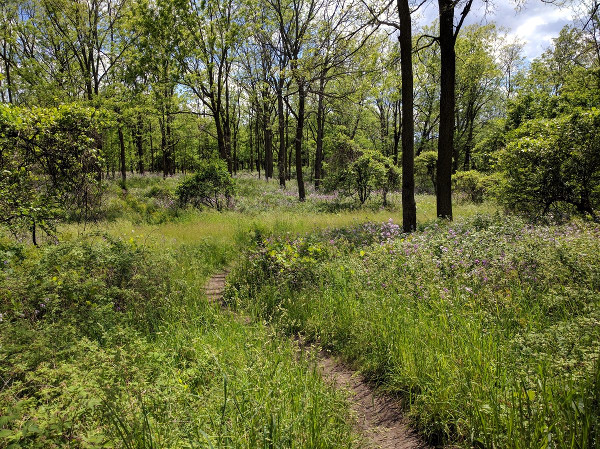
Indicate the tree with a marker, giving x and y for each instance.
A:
(87, 29)
(477, 89)
(409, 208)
(552, 162)
(213, 31)
(427, 92)
(447, 41)
(294, 19)
(342, 34)
(49, 165)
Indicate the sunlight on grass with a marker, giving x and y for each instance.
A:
(225, 227)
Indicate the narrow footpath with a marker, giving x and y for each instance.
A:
(379, 418)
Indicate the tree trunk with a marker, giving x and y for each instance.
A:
(33, 234)
(251, 144)
(122, 154)
(397, 130)
(409, 208)
(281, 126)
(163, 147)
(298, 140)
(468, 147)
(6, 57)
(268, 138)
(287, 145)
(170, 155)
(268, 151)
(257, 135)
(320, 133)
(447, 100)
(139, 143)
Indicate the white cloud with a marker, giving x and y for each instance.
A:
(535, 24)
(539, 27)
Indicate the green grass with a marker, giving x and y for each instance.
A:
(108, 343)
(258, 205)
(106, 339)
(488, 329)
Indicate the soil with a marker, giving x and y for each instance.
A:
(379, 418)
(215, 287)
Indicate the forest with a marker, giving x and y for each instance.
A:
(211, 211)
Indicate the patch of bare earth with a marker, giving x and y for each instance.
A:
(216, 286)
(379, 417)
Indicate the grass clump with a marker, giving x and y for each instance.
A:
(488, 328)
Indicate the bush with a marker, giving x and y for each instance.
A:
(425, 166)
(553, 163)
(50, 165)
(85, 280)
(358, 172)
(473, 184)
(211, 186)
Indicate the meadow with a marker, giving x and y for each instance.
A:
(487, 329)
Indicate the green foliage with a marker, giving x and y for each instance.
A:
(554, 162)
(49, 165)
(425, 169)
(563, 79)
(358, 172)
(211, 186)
(83, 280)
(492, 139)
(488, 329)
(474, 185)
(126, 344)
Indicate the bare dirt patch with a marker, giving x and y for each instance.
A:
(379, 417)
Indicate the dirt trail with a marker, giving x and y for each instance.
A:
(379, 418)
(215, 286)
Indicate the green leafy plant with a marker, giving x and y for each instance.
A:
(211, 186)
(355, 171)
(425, 169)
(476, 186)
(49, 165)
(551, 163)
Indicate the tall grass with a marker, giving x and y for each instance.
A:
(106, 338)
(489, 329)
(108, 342)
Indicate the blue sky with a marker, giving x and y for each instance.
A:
(535, 24)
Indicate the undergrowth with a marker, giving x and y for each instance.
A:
(488, 329)
(111, 343)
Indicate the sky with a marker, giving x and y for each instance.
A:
(535, 24)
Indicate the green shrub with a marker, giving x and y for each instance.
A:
(50, 165)
(210, 186)
(475, 185)
(425, 170)
(358, 172)
(90, 372)
(82, 280)
(553, 163)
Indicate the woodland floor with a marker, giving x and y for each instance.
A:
(379, 418)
